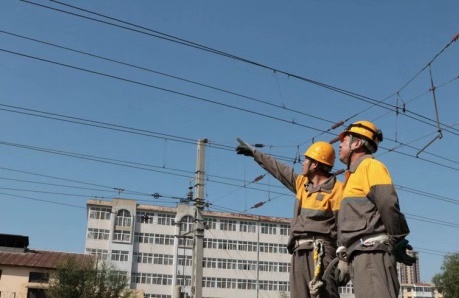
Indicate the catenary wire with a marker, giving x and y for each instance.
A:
(197, 97)
(283, 107)
(105, 125)
(375, 102)
(163, 89)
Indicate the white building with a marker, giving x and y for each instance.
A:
(243, 256)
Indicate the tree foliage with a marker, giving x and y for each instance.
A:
(88, 279)
(447, 281)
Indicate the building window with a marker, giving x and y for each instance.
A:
(248, 227)
(151, 278)
(186, 224)
(284, 286)
(122, 236)
(161, 259)
(227, 225)
(210, 263)
(100, 212)
(185, 242)
(101, 254)
(184, 280)
(284, 267)
(34, 293)
(165, 219)
(99, 234)
(284, 230)
(120, 255)
(123, 218)
(185, 261)
(144, 237)
(40, 277)
(145, 217)
(210, 223)
(267, 228)
(164, 239)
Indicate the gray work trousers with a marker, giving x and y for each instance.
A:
(302, 272)
(374, 274)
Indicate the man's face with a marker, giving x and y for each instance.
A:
(344, 149)
(305, 168)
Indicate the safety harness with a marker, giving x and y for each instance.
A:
(316, 283)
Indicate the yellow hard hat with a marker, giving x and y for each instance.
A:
(322, 152)
(364, 129)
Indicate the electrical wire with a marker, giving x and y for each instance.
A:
(431, 220)
(290, 74)
(162, 89)
(171, 38)
(283, 107)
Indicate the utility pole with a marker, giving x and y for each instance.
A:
(196, 277)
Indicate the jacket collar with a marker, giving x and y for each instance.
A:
(356, 164)
(327, 186)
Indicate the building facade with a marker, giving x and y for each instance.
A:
(243, 255)
(24, 273)
(419, 290)
(409, 274)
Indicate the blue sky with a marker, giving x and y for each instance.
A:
(301, 59)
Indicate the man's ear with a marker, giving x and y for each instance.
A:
(357, 143)
(314, 164)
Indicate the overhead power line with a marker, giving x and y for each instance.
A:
(428, 64)
(157, 34)
(129, 164)
(183, 94)
(431, 220)
(167, 75)
(163, 89)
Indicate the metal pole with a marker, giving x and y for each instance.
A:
(196, 278)
(258, 256)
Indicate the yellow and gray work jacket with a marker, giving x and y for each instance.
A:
(315, 205)
(369, 208)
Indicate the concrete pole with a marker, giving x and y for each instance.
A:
(196, 278)
(177, 292)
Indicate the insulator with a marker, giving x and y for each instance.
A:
(258, 178)
(337, 124)
(258, 205)
(334, 140)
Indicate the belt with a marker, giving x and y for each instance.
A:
(303, 241)
(312, 239)
(371, 240)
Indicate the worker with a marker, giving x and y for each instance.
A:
(371, 226)
(313, 231)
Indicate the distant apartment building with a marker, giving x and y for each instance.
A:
(409, 274)
(243, 255)
(24, 272)
(410, 281)
(419, 290)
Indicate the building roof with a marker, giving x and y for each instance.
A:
(229, 215)
(39, 258)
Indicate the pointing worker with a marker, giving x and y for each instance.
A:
(313, 232)
(371, 226)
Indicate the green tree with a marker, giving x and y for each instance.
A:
(447, 281)
(75, 278)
